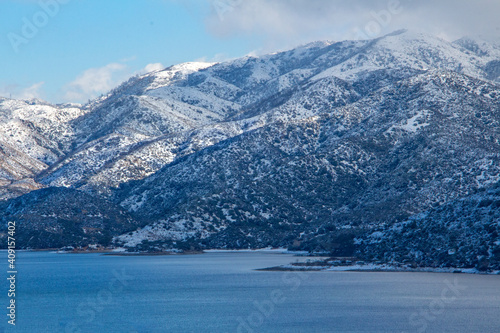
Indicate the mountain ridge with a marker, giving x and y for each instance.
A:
(307, 148)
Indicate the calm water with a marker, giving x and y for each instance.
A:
(221, 292)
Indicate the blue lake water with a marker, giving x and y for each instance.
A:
(222, 292)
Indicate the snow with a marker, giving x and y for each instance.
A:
(263, 250)
(161, 230)
(414, 124)
(370, 267)
(119, 250)
(160, 117)
(408, 50)
(175, 73)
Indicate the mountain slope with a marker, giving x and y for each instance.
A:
(305, 148)
(33, 135)
(58, 217)
(462, 234)
(249, 92)
(389, 155)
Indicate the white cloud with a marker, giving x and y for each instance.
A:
(95, 81)
(18, 92)
(32, 92)
(219, 57)
(285, 23)
(153, 67)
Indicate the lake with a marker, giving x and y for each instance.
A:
(222, 292)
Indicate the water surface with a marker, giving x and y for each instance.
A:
(222, 292)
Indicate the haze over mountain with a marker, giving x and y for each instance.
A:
(306, 149)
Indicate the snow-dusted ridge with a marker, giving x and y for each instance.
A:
(303, 148)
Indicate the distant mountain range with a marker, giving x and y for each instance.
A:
(332, 146)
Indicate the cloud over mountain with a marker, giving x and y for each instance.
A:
(285, 23)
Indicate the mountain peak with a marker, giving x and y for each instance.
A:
(294, 147)
(184, 68)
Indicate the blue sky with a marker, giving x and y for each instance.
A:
(116, 37)
(74, 50)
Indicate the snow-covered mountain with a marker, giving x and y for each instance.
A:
(155, 114)
(302, 148)
(58, 217)
(33, 135)
(414, 144)
(464, 234)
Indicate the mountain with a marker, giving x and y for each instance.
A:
(58, 217)
(309, 148)
(464, 234)
(33, 135)
(414, 144)
(153, 116)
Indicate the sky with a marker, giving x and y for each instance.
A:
(75, 50)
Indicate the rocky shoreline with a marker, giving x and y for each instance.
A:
(347, 265)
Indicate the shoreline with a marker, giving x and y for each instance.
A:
(313, 266)
(372, 268)
(119, 251)
(150, 254)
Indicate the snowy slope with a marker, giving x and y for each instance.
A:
(286, 148)
(249, 92)
(462, 234)
(414, 144)
(38, 129)
(33, 135)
